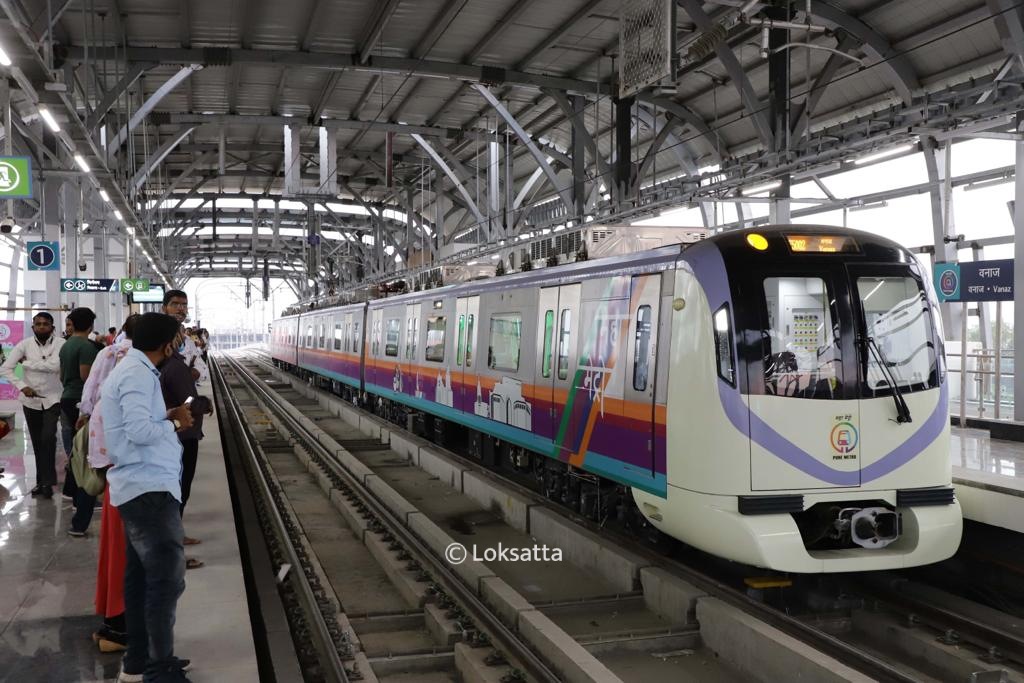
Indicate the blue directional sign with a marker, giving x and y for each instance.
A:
(44, 256)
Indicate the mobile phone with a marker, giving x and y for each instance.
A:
(188, 401)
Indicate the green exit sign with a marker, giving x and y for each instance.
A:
(134, 285)
(15, 177)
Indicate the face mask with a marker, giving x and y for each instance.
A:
(181, 349)
(43, 337)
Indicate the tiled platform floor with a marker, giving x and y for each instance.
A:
(47, 581)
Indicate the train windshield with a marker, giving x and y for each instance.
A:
(898, 318)
(802, 341)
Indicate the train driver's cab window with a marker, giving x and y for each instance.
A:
(899, 323)
(394, 326)
(506, 334)
(801, 342)
(435, 339)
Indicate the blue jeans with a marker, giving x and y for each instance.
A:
(154, 579)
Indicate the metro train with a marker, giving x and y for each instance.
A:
(773, 396)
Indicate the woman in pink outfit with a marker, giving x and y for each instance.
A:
(112, 636)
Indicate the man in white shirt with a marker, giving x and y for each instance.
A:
(40, 386)
(176, 306)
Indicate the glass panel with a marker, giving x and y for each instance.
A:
(899, 320)
(435, 339)
(642, 348)
(356, 338)
(469, 342)
(309, 336)
(506, 330)
(723, 346)
(802, 357)
(458, 348)
(337, 337)
(391, 343)
(564, 334)
(549, 328)
(322, 335)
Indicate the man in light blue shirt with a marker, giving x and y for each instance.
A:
(145, 486)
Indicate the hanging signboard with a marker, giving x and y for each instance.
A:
(43, 255)
(15, 178)
(88, 285)
(974, 280)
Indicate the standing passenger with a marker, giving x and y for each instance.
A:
(113, 635)
(145, 485)
(176, 305)
(39, 357)
(76, 359)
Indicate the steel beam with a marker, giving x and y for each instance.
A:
(157, 157)
(441, 22)
(339, 124)
(564, 192)
(510, 16)
(442, 164)
(148, 106)
(333, 61)
(751, 103)
(1018, 273)
(801, 117)
(373, 32)
(111, 96)
(556, 35)
(895, 65)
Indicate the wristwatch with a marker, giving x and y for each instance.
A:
(177, 424)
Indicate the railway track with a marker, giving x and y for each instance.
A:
(857, 657)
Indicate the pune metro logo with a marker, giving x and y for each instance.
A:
(949, 283)
(5, 332)
(844, 437)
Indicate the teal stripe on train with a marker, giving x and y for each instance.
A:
(611, 468)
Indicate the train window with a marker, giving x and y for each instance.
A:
(356, 339)
(435, 339)
(723, 345)
(391, 342)
(549, 327)
(461, 338)
(899, 322)
(309, 337)
(802, 357)
(642, 349)
(321, 337)
(469, 342)
(564, 335)
(506, 333)
(337, 336)
(412, 333)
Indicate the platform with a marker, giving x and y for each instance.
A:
(989, 478)
(48, 581)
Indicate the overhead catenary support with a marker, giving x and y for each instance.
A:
(577, 155)
(778, 108)
(564, 192)
(695, 10)
(157, 157)
(328, 161)
(937, 163)
(142, 112)
(292, 161)
(493, 188)
(442, 164)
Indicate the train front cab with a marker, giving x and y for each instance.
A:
(807, 459)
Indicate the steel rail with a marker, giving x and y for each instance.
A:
(443, 574)
(833, 646)
(332, 667)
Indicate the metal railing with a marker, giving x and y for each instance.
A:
(981, 381)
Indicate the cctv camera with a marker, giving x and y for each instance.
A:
(6, 224)
(82, 265)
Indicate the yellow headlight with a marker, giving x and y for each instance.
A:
(757, 241)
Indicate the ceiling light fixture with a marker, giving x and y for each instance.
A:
(50, 121)
(80, 160)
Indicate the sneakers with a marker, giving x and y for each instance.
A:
(183, 666)
(74, 533)
(44, 491)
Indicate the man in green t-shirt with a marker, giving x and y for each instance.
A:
(76, 359)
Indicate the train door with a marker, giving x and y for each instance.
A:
(375, 373)
(640, 366)
(558, 361)
(410, 356)
(464, 376)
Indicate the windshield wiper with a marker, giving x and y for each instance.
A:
(902, 410)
